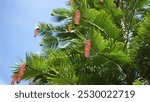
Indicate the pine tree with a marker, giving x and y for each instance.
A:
(108, 42)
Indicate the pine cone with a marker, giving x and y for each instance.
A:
(77, 17)
(36, 31)
(14, 79)
(87, 48)
(69, 27)
(21, 72)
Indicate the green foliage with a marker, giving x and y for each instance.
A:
(143, 31)
(61, 14)
(137, 82)
(120, 45)
(101, 21)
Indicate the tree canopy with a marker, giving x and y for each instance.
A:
(95, 42)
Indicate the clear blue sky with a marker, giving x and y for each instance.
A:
(18, 19)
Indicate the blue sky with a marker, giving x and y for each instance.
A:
(18, 19)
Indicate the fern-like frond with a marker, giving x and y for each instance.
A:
(61, 14)
(144, 31)
(102, 22)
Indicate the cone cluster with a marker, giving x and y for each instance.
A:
(17, 78)
(77, 17)
(36, 31)
(69, 27)
(14, 79)
(87, 48)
